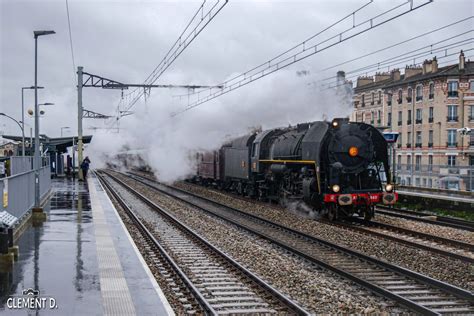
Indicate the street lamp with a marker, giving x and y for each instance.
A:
(18, 123)
(37, 145)
(64, 127)
(23, 114)
(47, 103)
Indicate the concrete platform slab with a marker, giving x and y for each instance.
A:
(81, 260)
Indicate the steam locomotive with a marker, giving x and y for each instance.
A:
(337, 167)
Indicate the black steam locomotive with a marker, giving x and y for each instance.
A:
(338, 167)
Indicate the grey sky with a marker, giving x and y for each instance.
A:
(125, 40)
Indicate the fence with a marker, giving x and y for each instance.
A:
(436, 176)
(20, 187)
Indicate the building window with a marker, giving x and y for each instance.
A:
(408, 139)
(373, 99)
(419, 93)
(408, 163)
(424, 182)
(419, 116)
(431, 96)
(430, 183)
(379, 101)
(431, 115)
(409, 117)
(430, 163)
(452, 113)
(400, 142)
(418, 139)
(471, 85)
(409, 94)
(399, 118)
(399, 162)
(471, 111)
(452, 89)
(379, 117)
(452, 138)
(363, 100)
(430, 138)
(417, 182)
(400, 96)
(451, 160)
(372, 117)
(389, 99)
(389, 119)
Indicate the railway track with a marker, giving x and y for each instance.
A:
(417, 292)
(436, 244)
(206, 280)
(426, 218)
(444, 246)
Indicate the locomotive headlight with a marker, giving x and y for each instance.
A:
(389, 188)
(353, 151)
(335, 123)
(336, 188)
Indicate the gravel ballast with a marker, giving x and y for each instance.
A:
(440, 267)
(315, 289)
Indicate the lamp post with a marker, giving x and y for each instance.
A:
(37, 145)
(19, 125)
(23, 114)
(62, 128)
(31, 134)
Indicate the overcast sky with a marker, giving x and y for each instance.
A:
(124, 40)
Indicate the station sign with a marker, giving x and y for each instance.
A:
(391, 137)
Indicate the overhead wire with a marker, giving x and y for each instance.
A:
(70, 42)
(305, 51)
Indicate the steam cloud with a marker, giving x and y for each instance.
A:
(171, 142)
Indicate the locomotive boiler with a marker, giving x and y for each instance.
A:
(338, 167)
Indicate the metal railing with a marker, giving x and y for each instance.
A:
(20, 189)
(439, 176)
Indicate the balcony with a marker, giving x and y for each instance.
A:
(399, 101)
(418, 121)
(431, 96)
(408, 145)
(399, 123)
(418, 145)
(430, 120)
(389, 102)
(419, 98)
(430, 145)
(452, 94)
(451, 144)
(399, 145)
(452, 118)
(408, 122)
(408, 99)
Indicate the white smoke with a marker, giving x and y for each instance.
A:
(171, 142)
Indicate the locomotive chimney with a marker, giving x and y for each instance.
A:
(341, 77)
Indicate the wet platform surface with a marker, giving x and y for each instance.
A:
(68, 258)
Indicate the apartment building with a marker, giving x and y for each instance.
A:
(427, 105)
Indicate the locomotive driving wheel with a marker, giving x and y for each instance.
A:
(332, 212)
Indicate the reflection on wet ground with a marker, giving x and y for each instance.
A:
(58, 257)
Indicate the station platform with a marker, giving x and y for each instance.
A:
(81, 259)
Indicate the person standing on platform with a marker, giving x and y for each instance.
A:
(85, 166)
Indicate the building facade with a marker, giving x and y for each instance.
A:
(432, 109)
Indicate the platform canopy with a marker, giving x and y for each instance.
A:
(59, 144)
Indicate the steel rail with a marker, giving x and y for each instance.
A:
(446, 288)
(257, 280)
(446, 241)
(422, 217)
(204, 304)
